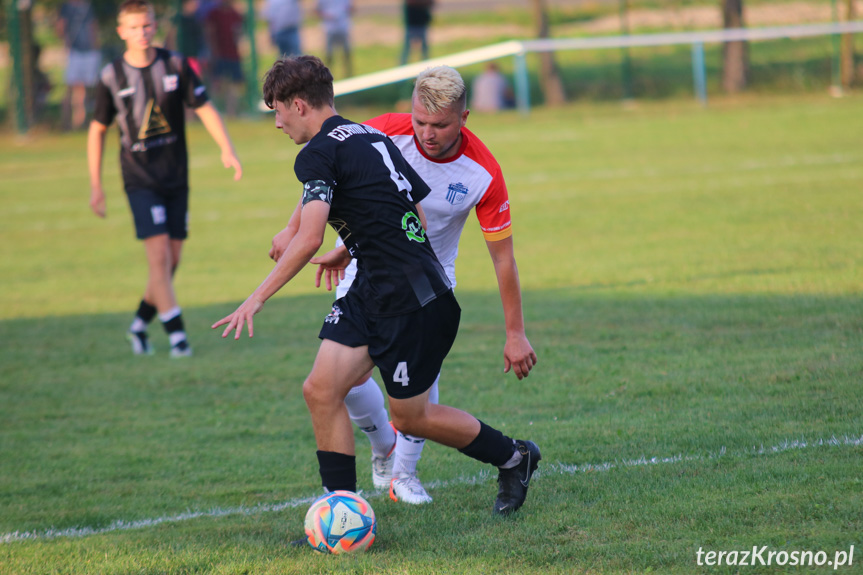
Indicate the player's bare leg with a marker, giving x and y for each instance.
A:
(515, 459)
(163, 257)
(440, 423)
(336, 369)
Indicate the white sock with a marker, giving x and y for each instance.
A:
(176, 337)
(409, 448)
(138, 325)
(514, 460)
(365, 405)
(170, 314)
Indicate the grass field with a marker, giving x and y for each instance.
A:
(692, 283)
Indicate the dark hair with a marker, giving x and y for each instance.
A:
(305, 77)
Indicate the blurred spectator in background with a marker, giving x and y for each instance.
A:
(224, 25)
(284, 19)
(204, 7)
(418, 15)
(188, 36)
(336, 18)
(490, 91)
(78, 28)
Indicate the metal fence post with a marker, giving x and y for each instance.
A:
(699, 74)
(522, 83)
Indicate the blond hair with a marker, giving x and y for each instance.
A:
(439, 88)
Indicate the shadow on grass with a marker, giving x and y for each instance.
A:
(619, 376)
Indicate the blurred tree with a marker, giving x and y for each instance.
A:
(549, 75)
(735, 55)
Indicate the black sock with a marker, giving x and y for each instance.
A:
(338, 471)
(490, 446)
(143, 317)
(174, 324)
(146, 311)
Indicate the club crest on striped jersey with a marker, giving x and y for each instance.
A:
(456, 193)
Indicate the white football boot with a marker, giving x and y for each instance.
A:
(382, 469)
(409, 489)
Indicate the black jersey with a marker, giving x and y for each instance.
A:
(149, 105)
(373, 199)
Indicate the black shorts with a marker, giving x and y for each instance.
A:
(407, 349)
(157, 213)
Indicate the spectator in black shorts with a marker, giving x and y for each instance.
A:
(400, 314)
(146, 90)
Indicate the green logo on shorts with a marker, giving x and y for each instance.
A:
(413, 227)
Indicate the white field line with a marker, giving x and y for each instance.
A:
(482, 477)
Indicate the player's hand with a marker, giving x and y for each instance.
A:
(332, 277)
(280, 243)
(240, 318)
(230, 160)
(331, 266)
(97, 202)
(519, 356)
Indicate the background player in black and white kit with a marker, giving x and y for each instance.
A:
(400, 314)
(146, 91)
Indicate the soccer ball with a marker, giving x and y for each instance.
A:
(340, 522)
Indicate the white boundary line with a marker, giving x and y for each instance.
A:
(554, 468)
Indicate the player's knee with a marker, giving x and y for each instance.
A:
(310, 394)
(316, 394)
(405, 423)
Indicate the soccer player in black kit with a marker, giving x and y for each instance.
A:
(147, 90)
(400, 314)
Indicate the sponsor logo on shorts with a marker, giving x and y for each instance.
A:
(334, 316)
(158, 213)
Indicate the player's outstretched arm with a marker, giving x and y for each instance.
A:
(305, 244)
(518, 354)
(95, 148)
(216, 127)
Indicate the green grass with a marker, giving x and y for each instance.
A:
(692, 286)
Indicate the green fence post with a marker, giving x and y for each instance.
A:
(253, 93)
(626, 60)
(16, 51)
